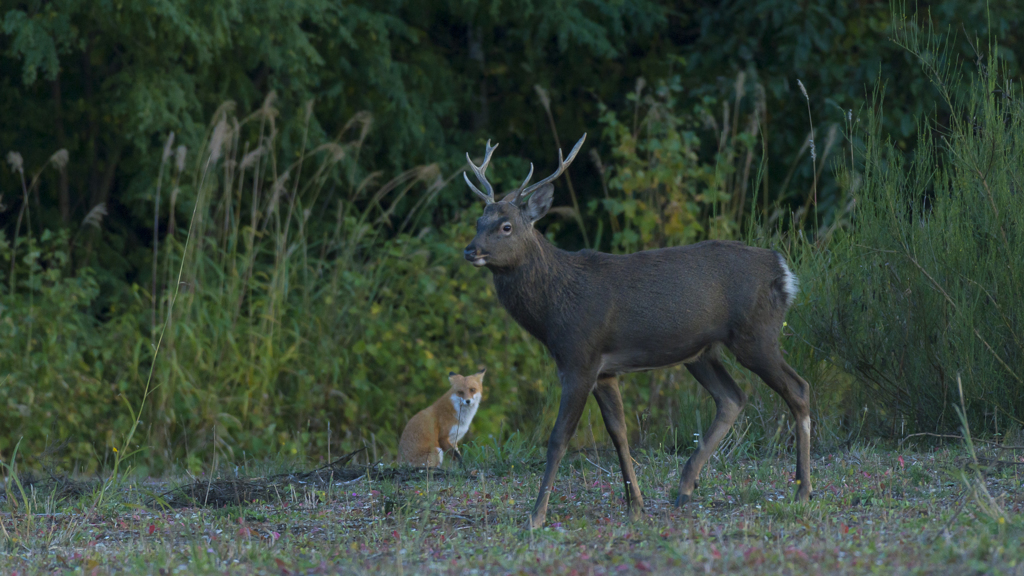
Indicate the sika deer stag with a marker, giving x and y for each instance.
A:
(602, 315)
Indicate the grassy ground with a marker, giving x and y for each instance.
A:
(875, 511)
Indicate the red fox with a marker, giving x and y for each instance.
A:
(439, 427)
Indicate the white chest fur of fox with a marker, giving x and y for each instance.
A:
(465, 409)
(439, 427)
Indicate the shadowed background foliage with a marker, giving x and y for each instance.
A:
(316, 153)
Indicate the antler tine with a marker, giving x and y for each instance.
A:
(477, 190)
(479, 172)
(525, 182)
(562, 165)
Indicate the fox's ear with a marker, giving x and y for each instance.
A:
(479, 376)
(452, 378)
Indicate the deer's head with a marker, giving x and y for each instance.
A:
(504, 233)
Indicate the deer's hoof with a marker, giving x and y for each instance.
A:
(682, 500)
(535, 522)
(636, 513)
(803, 494)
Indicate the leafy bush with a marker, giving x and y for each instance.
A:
(296, 318)
(63, 370)
(926, 290)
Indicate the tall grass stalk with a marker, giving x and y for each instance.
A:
(812, 200)
(545, 102)
(976, 485)
(26, 528)
(136, 414)
(168, 152)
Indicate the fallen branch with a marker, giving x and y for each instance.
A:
(598, 467)
(998, 445)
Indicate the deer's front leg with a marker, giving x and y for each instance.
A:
(575, 389)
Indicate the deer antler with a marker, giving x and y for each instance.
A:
(562, 165)
(479, 171)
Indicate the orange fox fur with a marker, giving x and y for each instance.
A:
(439, 427)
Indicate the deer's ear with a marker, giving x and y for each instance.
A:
(539, 203)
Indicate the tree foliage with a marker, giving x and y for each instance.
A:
(108, 81)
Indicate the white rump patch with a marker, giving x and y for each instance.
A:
(805, 423)
(790, 283)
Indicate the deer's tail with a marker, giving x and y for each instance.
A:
(786, 284)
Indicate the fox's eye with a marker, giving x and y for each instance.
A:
(506, 228)
(460, 392)
(472, 391)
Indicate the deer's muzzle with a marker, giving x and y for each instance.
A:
(475, 256)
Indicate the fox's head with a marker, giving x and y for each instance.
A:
(467, 390)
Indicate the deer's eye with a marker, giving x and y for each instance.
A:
(506, 228)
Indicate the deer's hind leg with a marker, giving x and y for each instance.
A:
(729, 402)
(765, 359)
(610, 402)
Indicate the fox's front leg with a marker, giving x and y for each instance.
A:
(447, 446)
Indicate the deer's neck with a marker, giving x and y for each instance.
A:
(531, 291)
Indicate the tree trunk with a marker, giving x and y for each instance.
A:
(93, 125)
(102, 191)
(481, 117)
(64, 198)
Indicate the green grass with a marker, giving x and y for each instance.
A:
(875, 511)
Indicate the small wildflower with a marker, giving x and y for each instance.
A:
(179, 157)
(115, 449)
(1002, 520)
(59, 159)
(16, 162)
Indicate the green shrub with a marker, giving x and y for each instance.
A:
(305, 313)
(61, 370)
(926, 290)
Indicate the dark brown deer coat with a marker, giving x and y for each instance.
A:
(601, 315)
